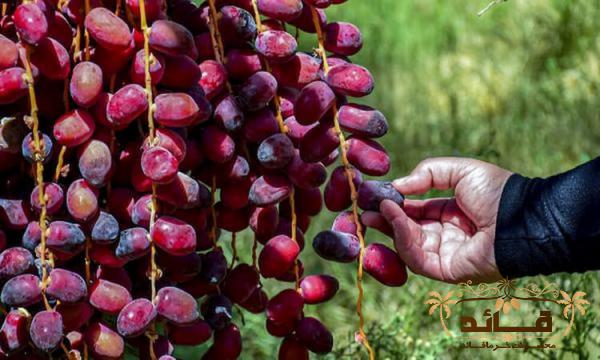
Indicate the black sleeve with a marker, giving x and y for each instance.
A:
(550, 225)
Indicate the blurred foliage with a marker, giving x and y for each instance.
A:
(517, 87)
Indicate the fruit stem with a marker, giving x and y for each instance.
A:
(39, 174)
(59, 163)
(151, 137)
(215, 34)
(213, 212)
(294, 235)
(88, 272)
(86, 35)
(66, 94)
(254, 248)
(215, 37)
(233, 250)
(353, 193)
(77, 43)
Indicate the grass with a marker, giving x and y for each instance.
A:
(517, 87)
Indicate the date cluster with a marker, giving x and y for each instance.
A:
(135, 134)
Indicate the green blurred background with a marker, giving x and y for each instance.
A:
(517, 87)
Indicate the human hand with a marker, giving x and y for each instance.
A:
(447, 239)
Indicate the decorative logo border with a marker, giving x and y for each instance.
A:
(507, 296)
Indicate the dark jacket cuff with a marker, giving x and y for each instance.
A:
(523, 246)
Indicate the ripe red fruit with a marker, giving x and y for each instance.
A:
(368, 156)
(176, 305)
(51, 59)
(170, 38)
(173, 236)
(76, 315)
(133, 243)
(86, 83)
(278, 256)
(179, 110)
(15, 261)
(8, 54)
(46, 330)
(66, 286)
(269, 189)
(316, 289)
(241, 282)
(275, 45)
(30, 23)
(314, 335)
(257, 302)
(214, 78)
(95, 163)
(13, 334)
(12, 85)
(74, 128)
(258, 90)
(280, 10)
(126, 105)
(135, 317)
(276, 151)
(109, 31)
(313, 102)
(384, 264)
(336, 246)
(292, 349)
(264, 220)
(159, 165)
(343, 38)
(372, 192)
(285, 307)
(227, 344)
(137, 70)
(103, 342)
(350, 80)
(362, 120)
(217, 145)
(21, 291)
(82, 200)
(65, 237)
(108, 296)
(190, 335)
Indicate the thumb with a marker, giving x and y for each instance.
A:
(436, 173)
